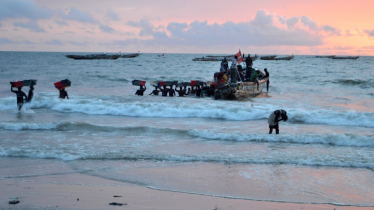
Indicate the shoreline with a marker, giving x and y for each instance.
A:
(78, 191)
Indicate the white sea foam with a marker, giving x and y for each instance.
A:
(328, 139)
(29, 126)
(186, 108)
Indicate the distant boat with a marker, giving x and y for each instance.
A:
(325, 56)
(93, 57)
(268, 57)
(284, 58)
(130, 55)
(346, 57)
(220, 58)
(207, 59)
(163, 55)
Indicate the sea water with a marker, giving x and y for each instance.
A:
(323, 154)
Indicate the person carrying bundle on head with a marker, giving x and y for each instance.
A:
(30, 95)
(141, 90)
(61, 87)
(155, 91)
(21, 96)
(63, 94)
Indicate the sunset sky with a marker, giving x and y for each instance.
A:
(307, 27)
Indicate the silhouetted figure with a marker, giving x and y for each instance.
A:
(155, 92)
(248, 61)
(233, 69)
(171, 91)
(180, 92)
(141, 90)
(21, 96)
(30, 95)
(164, 90)
(267, 75)
(63, 94)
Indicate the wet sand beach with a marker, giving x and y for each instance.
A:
(79, 191)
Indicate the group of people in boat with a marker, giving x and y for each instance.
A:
(226, 75)
(236, 72)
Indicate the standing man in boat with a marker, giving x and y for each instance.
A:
(274, 118)
(224, 65)
(248, 61)
(20, 97)
(233, 69)
(267, 76)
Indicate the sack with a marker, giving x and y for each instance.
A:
(29, 82)
(62, 84)
(138, 82)
(16, 84)
(195, 82)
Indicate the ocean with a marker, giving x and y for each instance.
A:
(324, 153)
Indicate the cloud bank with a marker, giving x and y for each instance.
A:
(266, 29)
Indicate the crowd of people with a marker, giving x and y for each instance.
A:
(199, 89)
(226, 75)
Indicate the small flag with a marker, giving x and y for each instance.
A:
(239, 57)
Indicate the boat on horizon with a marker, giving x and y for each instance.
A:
(346, 57)
(130, 55)
(325, 56)
(94, 56)
(220, 58)
(268, 57)
(287, 58)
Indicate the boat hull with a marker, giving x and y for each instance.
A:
(249, 89)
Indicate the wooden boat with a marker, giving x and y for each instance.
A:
(130, 55)
(93, 57)
(242, 90)
(219, 58)
(207, 59)
(325, 56)
(161, 55)
(346, 57)
(268, 57)
(284, 58)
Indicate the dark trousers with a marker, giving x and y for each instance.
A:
(276, 127)
(267, 85)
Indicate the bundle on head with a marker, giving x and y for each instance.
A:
(284, 117)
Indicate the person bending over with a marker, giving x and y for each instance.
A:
(274, 118)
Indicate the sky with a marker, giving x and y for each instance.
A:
(283, 27)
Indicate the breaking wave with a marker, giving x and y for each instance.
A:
(188, 108)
